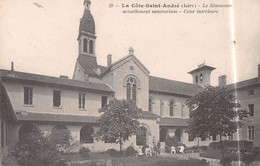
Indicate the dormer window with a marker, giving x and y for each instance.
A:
(85, 45)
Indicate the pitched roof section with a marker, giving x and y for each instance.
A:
(203, 67)
(126, 59)
(4, 74)
(45, 117)
(167, 121)
(170, 86)
(243, 84)
(89, 64)
(147, 114)
(87, 22)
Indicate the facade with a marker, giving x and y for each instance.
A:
(53, 102)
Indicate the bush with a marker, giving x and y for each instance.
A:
(84, 152)
(35, 149)
(114, 153)
(226, 162)
(244, 145)
(250, 157)
(130, 151)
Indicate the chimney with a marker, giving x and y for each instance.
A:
(109, 60)
(259, 73)
(12, 66)
(222, 80)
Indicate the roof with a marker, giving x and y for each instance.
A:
(243, 84)
(170, 86)
(107, 69)
(168, 121)
(148, 114)
(89, 64)
(87, 22)
(45, 117)
(202, 67)
(5, 74)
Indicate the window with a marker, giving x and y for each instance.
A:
(56, 98)
(28, 99)
(91, 47)
(85, 45)
(2, 134)
(190, 137)
(163, 134)
(251, 92)
(131, 89)
(214, 137)
(251, 110)
(171, 108)
(201, 78)
(103, 101)
(251, 132)
(161, 107)
(86, 134)
(82, 100)
(150, 105)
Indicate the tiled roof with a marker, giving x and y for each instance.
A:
(203, 67)
(147, 114)
(54, 80)
(170, 86)
(167, 121)
(45, 117)
(243, 84)
(89, 64)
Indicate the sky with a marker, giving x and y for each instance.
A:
(40, 36)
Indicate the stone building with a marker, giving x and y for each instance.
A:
(73, 103)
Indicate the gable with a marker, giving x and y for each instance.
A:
(123, 61)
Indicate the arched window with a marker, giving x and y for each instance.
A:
(163, 134)
(131, 89)
(26, 129)
(178, 133)
(171, 108)
(85, 45)
(91, 47)
(141, 137)
(86, 134)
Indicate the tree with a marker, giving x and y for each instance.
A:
(34, 148)
(119, 121)
(215, 111)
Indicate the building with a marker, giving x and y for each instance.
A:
(60, 102)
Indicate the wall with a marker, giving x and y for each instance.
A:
(43, 99)
(180, 109)
(116, 80)
(245, 99)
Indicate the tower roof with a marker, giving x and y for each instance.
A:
(87, 22)
(202, 67)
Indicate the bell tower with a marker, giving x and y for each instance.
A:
(87, 37)
(201, 75)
